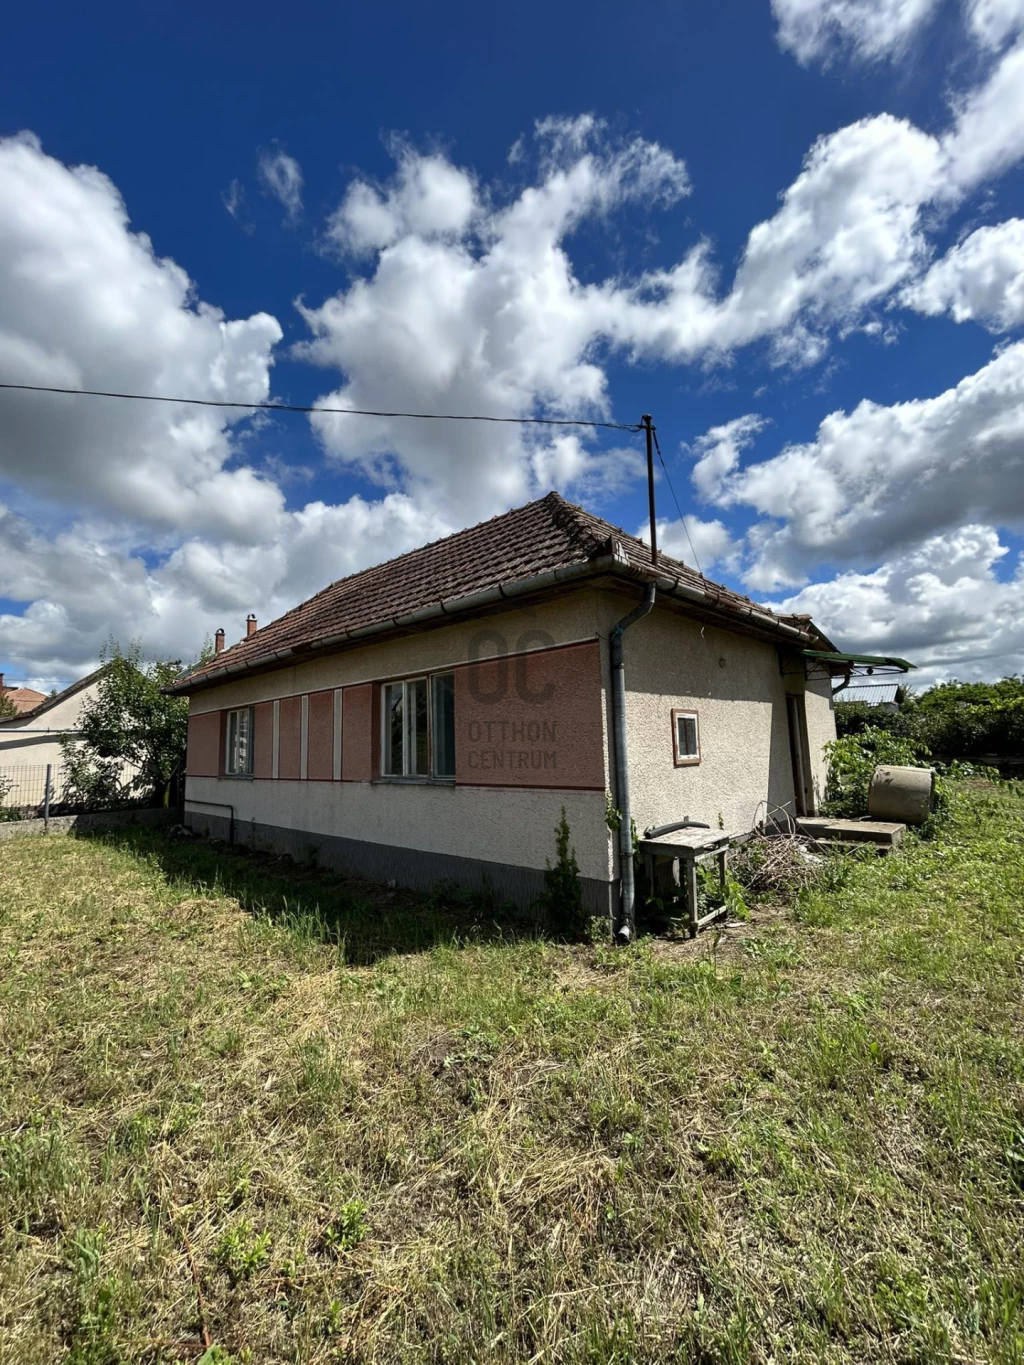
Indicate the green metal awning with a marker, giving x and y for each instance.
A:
(852, 661)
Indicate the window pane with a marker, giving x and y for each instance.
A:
(687, 736)
(444, 725)
(238, 746)
(419, 749)
(243, 761)
(394, 729)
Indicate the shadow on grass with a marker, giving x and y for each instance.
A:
(365, 920)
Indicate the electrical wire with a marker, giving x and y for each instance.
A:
(657, 447)
(343, 412)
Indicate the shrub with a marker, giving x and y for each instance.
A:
(853, 759)
(562, 897)
(957, 720)
(7, 812)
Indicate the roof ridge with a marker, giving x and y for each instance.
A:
(406, 554)
(570, 517)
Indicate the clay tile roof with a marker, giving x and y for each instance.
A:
(24, 698)
(521, 544)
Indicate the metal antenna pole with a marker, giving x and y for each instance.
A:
(645, 422)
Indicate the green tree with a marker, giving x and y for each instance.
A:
(132, 735)
(8, 710)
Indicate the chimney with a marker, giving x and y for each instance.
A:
(1, 682)
(218, 641)
(250, 625)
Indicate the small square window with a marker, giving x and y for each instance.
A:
(685, 738)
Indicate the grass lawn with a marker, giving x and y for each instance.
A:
(250, 1113)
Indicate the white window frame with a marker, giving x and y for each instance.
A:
(680, 759)
(230, 742)
(409, 730)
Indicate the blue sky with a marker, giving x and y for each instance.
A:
(790, 231)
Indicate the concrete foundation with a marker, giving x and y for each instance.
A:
(87, 822)
(418, 869)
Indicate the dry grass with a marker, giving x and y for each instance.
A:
(255, 1114)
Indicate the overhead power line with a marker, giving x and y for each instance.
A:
(342, 412)
(668, 480)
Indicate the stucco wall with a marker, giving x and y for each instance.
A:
(821, 727)
(575, 617)
(499, 825)
(734, 685)
(534, 720)
(502, 825)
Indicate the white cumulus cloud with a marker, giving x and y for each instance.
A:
(942, 604)
(718, 453)
(879, 478)
(139, 519)
(979, 279)
(703, 545)
(994, 22)
(815, 30)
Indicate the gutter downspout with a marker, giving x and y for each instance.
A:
(626, 927)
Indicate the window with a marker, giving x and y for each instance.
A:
(418, 718)
(685, 738)
(238, 748)
(443, 688)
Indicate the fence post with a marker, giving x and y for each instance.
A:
(46, 799)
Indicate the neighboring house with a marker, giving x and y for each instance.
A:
(429, 718)
(23, 698)
(31, 740)
(882, 695)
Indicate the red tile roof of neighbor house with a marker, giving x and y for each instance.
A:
(550, 537)
(24, 698)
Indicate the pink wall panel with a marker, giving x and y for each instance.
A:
(290, 737)
(357, 733)
(263, 739)
(531, 720)
(320, 759)
(203, 756)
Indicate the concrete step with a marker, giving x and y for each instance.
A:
(823, 828)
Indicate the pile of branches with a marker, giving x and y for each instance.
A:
(774, 866)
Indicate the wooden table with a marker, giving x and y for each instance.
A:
(683, 849)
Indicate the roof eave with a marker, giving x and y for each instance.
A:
(615, 565)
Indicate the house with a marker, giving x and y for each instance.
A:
(32, 740)
(21, 698)
(429, 718)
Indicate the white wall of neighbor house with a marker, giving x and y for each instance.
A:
(734, 685)
(25, 752)
(511, 825)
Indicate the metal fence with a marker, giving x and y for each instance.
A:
(24, 787)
